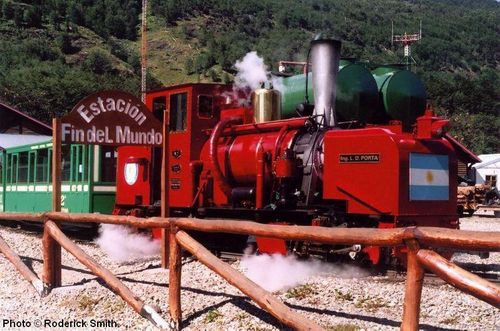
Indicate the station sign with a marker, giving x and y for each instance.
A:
(112, 118)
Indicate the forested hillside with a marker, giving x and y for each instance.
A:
(53, 53)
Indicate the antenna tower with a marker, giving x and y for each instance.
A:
(144, 50)
(407, 40)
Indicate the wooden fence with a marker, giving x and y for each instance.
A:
(418, 240)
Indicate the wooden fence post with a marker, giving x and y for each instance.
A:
(51, 249)
(413, 292)
(165, 169)
(263, 298)
(174, 284)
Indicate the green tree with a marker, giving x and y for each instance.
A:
(189, 66)
(98, 62)
(32, 17)
(18, 16)
(64, 44)
(75, 13)
(7, 10)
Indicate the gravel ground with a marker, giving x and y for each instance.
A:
(209, 303)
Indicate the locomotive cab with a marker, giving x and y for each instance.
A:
(193, 110)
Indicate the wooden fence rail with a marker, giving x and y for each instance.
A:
(20, 266)
(413, 238)
(113, 282)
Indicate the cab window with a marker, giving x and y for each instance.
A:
(178, 112)
(159, 106)
(205, 106)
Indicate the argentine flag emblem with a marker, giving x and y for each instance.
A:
(429, 177)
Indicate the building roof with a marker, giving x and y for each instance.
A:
(463, 153)
(487, 160)
(14, 140)
(15, 121)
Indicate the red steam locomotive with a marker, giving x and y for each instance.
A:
(244, 162)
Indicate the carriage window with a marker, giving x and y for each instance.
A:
(66, 163)
(8, 168)
(75, 162)
(108, 164)
(23, 168)
(32, 160)
(159, 106)
(178, 110)
(11, 168)
(1, 169)
(50, 165)
(83, 167)
(42, 165)
(205, 106)
(80, 161)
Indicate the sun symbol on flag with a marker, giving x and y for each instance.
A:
(429, 177)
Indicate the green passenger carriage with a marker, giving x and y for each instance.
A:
(88, 178)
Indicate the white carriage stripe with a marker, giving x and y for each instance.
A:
(48, 188)
(41, 188)
(104, 188)
(22, 188)
(429, 177)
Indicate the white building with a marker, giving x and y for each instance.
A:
(488, 171)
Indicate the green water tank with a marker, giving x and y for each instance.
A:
(402, 94)
(357, 93)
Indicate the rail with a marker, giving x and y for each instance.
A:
(418, 240)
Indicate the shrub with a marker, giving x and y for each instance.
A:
(98, 62)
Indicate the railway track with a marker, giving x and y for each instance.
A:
(432, 279)
(485, 271)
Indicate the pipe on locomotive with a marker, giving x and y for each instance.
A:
(325, 57)
(214, 157)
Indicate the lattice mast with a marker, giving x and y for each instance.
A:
(407, 40)
(144, 50)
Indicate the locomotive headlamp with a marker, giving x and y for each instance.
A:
(131, 171)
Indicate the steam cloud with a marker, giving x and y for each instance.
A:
(122, 243)
(277, 272)
(252, 73)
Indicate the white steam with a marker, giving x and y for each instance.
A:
(252, 71)
(122, 243)
(252, 74)
(277, 272)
